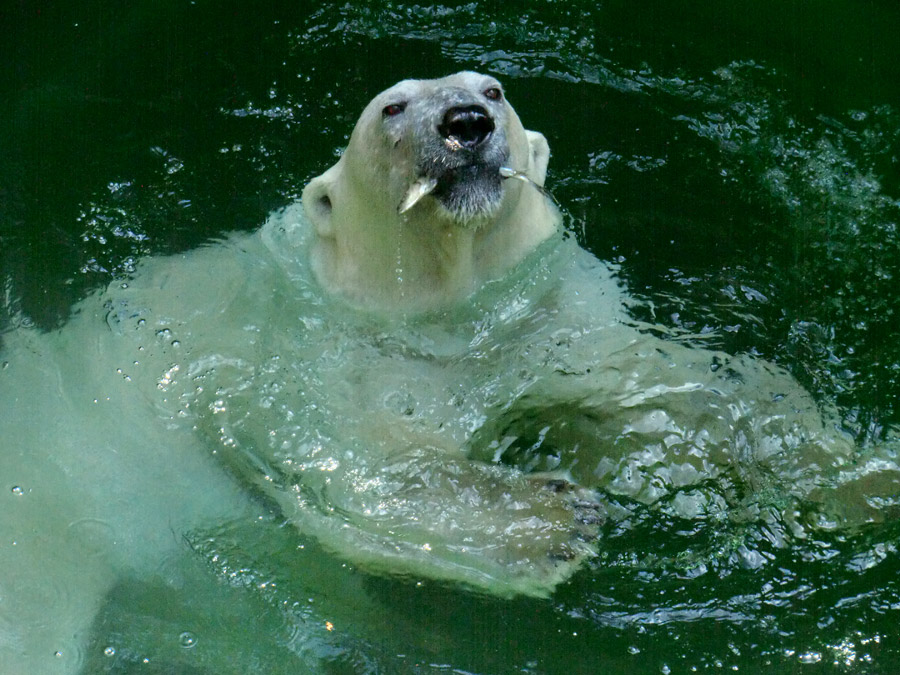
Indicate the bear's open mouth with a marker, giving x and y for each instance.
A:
(467, 191)
(465, 178)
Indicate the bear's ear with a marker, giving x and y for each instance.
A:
(318, 202)
(540, 155)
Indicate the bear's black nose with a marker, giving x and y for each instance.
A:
(469, 125)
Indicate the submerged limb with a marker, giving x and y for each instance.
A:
(425, 514)
(428, 513)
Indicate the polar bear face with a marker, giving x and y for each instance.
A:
(419, 211)
(448, 138)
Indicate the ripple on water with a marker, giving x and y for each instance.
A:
(47, 601)
(94, 536)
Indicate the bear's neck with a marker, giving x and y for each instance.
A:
(424, 261)
(410, 267)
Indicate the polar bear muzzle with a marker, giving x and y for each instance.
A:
(459, 151)
(463, 172)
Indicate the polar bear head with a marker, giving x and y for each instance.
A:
(419, 210)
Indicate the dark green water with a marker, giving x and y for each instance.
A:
(741, 161)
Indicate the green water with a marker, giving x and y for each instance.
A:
(739, 161)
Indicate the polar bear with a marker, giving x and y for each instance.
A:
(415, 367)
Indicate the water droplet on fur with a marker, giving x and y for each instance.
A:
(109, 651)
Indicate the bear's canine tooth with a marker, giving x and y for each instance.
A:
(417, 190)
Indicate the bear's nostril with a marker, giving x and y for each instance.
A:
(470, 125)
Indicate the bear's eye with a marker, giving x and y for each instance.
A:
(393, 109)
(493, 93)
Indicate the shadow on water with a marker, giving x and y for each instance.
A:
(738, 162)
